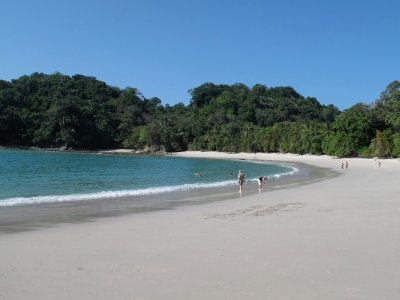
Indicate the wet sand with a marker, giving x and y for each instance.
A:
(19, 218)
(332, 239)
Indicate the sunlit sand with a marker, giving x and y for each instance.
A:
(334, 239)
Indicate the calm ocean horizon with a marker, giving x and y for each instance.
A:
(33, 177)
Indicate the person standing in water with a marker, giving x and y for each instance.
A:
(240, 180)
(261, 180)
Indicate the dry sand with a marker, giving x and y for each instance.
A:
(334, 239)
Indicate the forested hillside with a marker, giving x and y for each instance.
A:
(80, 112)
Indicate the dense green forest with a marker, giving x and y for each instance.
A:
(81, 112)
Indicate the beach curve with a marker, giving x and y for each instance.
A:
(333, 239)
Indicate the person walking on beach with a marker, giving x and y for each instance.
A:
(240, 180)
(347, 165)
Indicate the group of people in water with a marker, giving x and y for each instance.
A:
(241, 179)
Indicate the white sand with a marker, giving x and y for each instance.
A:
(335, 239)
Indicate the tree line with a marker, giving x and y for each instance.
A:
(83, 113)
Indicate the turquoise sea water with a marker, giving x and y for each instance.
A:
(28, 177)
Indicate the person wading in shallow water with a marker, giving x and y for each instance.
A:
(240, 180)
(261, 180)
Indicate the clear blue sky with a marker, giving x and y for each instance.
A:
(341, 52)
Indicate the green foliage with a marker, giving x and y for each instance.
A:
(81, 112)
(74, 112)
(389, 104)
(204, 94)
(351, 132)
(396, 145)
(379, 147)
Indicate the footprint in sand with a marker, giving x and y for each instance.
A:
(258, 210)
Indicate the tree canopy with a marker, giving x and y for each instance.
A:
(81, 112)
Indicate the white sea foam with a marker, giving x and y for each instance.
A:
(126, 193)
(109, 194)
(279, 175)
(290, 173)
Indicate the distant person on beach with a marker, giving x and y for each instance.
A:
(342, 165)
(379, 164)
(240, 179)
(347, 165)
(261, 180)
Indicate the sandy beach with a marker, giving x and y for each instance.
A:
(334, 239)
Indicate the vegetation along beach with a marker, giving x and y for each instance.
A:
(199, 150)
(81, 112)
(84, 214)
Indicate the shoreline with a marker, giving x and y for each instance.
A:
(36, 216)
(119, 151)
(332, 239)
(200, 154)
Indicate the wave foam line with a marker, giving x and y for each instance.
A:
(124, 193)
(109, 194)
(289, 173)
(279, 175)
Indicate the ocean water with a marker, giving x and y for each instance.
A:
(30, 177)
